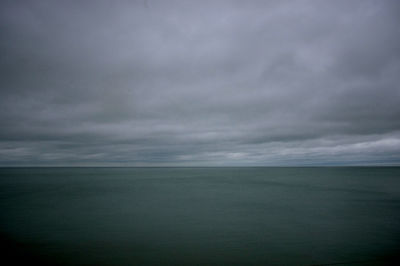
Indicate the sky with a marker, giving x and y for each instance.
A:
(199, 83)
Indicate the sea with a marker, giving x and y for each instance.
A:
(200, 216)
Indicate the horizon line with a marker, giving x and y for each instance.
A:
(254, 166)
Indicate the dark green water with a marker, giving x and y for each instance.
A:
(200, 216)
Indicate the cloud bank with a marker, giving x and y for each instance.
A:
(199, 83)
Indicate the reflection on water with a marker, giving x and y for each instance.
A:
(231, 216)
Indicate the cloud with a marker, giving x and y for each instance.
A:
(199, 83)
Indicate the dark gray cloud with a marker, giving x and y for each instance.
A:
(199, 82)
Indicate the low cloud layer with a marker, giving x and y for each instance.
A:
(199, 83)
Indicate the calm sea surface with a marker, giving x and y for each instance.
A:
(200, 216)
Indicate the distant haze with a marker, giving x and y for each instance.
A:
(199, 83)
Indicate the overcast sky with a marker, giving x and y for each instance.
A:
(199, 83)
